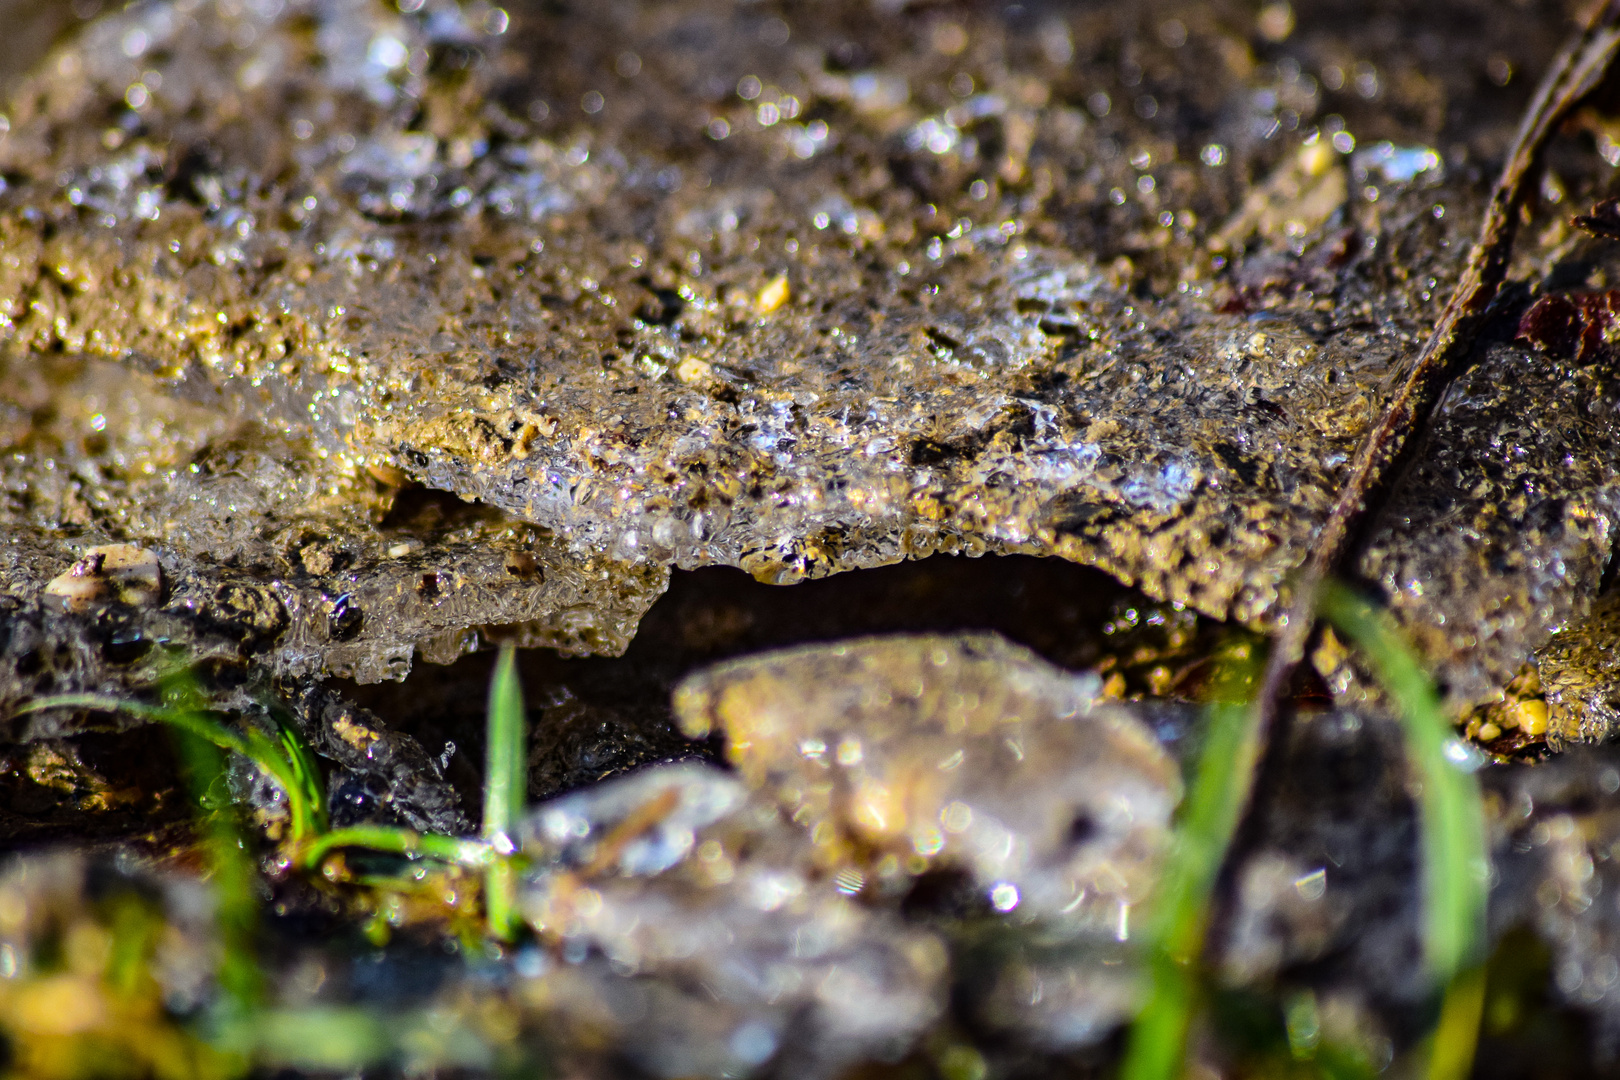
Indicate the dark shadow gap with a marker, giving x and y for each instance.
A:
(596, 717)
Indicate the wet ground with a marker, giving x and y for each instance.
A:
(343, 341)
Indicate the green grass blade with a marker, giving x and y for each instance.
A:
(1221, 784)
(199, 739)
(1451, 1056)
(392, 841)
(500, 904)
(290, 766)
(1220, 791)
(307, 804)
(1157, 1044)
(1455, 858)
(506, 776)
(234, 875)
(505, 786)
(326, 1038)
(1456, 864)
(185, 719)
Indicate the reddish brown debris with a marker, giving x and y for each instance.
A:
(1575, 325)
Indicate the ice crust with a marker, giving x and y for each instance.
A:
(445, 249)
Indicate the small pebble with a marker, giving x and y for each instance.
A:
(773, 295)
(1532, 717)
(123, 572)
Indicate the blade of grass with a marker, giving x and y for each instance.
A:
(1221, 779)
(505, 785)
(1456, 865)
(1158, 1039)
(233, 872)
(326, 1038)
(305, 803)
(309, 812)
(1452, 827)
(1451, 1056)
(388, 840)
(196, 724)
(1456, 861)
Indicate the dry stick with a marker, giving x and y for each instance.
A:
(1575, 73)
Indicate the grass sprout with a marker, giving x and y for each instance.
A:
(1456, 860)
(242, 1031)
(288, 760)
(385, 839)
(505, 787)
(294, 773)
(1454, 853)
(235, 876)
(1221, 780)
(1456, 866)
(307, 795)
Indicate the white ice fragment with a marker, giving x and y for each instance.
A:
(877, 92)
(678, 800)
(387, 52)
(394, 155)
(1396, 164)
(1465, 755)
